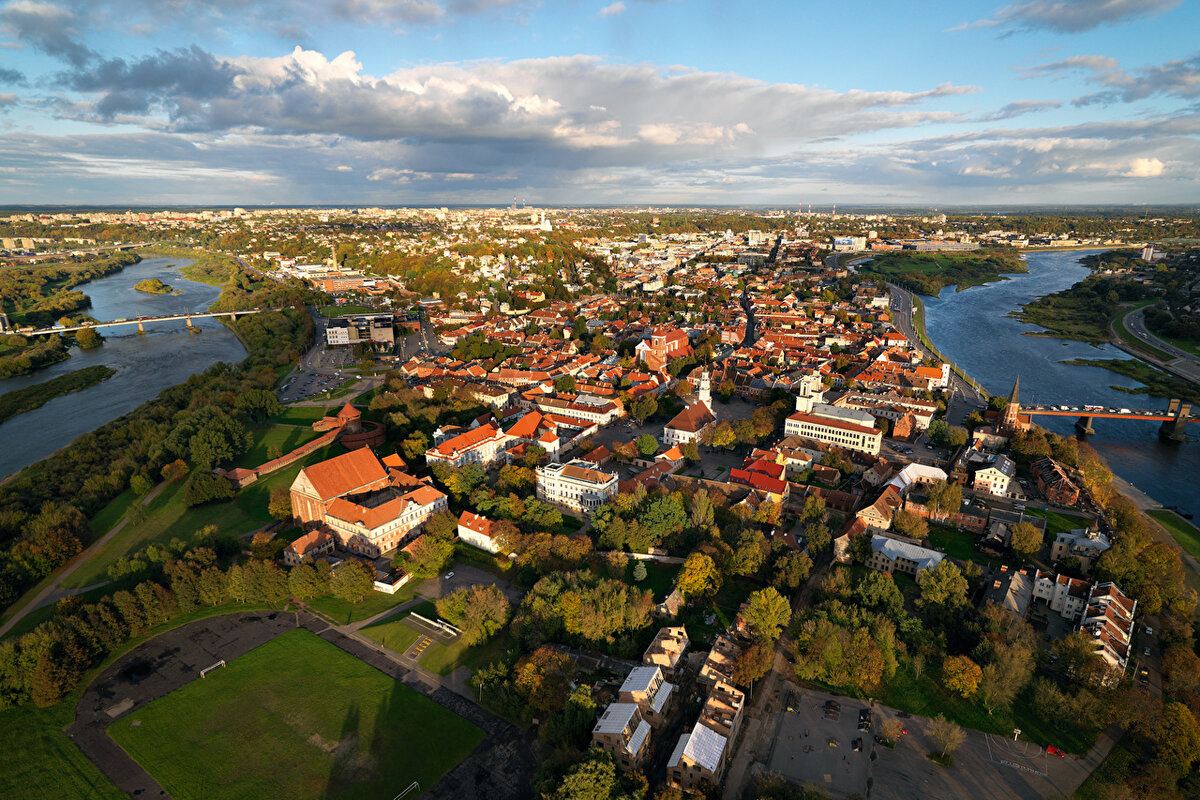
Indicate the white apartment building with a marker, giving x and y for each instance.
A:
(849, 435)
(483, 445)
(576, 485)
(1065, 595)
(995, 477)
(390, 520)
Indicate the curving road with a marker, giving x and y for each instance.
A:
(1183, 362)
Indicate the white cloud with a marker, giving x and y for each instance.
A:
(613, 9)
(1144, 168)
(1068, 16)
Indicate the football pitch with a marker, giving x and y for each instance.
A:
(295, 718)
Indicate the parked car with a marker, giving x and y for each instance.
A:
(864, 720)
(1146, 651)
(857, 744)
(1054, 751)
(448, 576)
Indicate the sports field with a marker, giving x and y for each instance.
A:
(295, 718)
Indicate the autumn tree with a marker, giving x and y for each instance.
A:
(961, 675)
(946, 734)
(943, 585)
(479, 612)
(280, 504)
(699, 576)
(909, 524)
(752, 663)
(791, 570)
(543, 678)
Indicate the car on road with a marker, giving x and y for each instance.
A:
(448, 576)
(1145, 651)
(864, 720)
(857, 744)
(1054, 751)
(1149, 631)
(1143, 675)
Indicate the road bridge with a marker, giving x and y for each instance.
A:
(141, 322)
(1174, 420)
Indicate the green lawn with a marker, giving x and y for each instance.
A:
(300, 415)
(168, 518)
(1057, 521)
(46, 613)
(660, 578)
(445, 658)
(1183, 532)
(286, 437)
(39, 762)
(295, 718)
(393, 633)
(343, 613)
(349, 308)
(958, 544)
(1134, 342)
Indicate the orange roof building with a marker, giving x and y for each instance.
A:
(356, 472)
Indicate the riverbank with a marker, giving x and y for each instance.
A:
(20, 401)
(205, 267)
(918, 321)
(1154, 381)
(928, 273)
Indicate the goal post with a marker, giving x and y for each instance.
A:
(412, 787)
(207, 670)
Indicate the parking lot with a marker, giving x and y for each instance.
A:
(811, 747)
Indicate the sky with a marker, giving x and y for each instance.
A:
(556, 102)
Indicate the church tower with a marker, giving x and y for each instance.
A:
(1011, 421)
(705, 391)
(811, 393)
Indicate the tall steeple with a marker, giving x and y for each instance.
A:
(705, 389)
(1012, 412)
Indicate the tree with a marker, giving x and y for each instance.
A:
(814, 509)
(766, 614)
(891, 729)
(205, 487)
(427, 557)
(909, 524)
(647, 445)
(88, 339)
(1178, 738)
(878, 592)
(699, 576)
(175, 471)
(351, 581)
(747, 555)
(723, 435)
(565, 384)
(752, 663)
(943, 585)
(1002, 680)
(643, 408)
(479, 611)
(818, 538)
(639, 571)
(140, 484)
(257, 404)
(280, 504)
(791, 570)
(946, 734)
(304, 583)
(961, 675)
(944, 497)
(1025, 540)
(543, 678)
(594, 778)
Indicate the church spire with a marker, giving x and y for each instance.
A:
(1014, 398)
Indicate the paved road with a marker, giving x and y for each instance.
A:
(1182, 362)
(901, 306)
(54, 591)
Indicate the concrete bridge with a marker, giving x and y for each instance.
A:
(142, 321)
(1174, 420)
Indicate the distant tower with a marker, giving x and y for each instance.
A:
(705, 390)
(810, 394)
(1011, 421)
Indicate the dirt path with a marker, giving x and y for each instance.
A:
(54, 590)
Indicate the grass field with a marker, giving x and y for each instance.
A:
(959, 544)
(295, 718)
(1058, 521)
(39, 762)
(286, 437)
(167, 518)
(396, 634)
(300, 415)
(343, 613)
(393, 633)
(1183, 532)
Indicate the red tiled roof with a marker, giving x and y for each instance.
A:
(345, 473)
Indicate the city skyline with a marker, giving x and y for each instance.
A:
(591, 103)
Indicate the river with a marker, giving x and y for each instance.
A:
(971, 328)
(165, 356)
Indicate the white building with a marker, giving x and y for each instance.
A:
(849, 435)
(483, 445)
(576, 485)
(476, 531)
(892, 556)
(994, 478)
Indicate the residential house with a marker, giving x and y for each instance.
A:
(667, 649)
(308, 546)
(894, 555)
(1085, 544)
(653, 694)
(476, 531)
(622, 732)
(698, 759)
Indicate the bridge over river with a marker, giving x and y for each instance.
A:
(1174, 420)
(141, 322)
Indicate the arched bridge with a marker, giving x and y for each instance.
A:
(1174, 420)
(142, 321)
